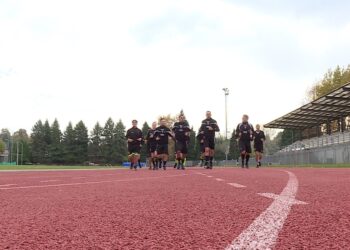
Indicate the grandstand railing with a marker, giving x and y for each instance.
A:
(318, 142)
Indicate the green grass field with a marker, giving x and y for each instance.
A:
(52, 167)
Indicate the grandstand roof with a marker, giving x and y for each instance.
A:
(326, 108)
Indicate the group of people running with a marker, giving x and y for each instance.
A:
(157, 141)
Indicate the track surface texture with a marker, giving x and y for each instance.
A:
(224, 208)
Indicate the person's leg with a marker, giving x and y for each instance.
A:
(248, 152)
(165, 159)
(137, 161)
(243, 152)
(211, 158)
(257, 157)
(130, 160)
(247, 157)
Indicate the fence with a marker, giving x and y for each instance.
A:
(338, 153)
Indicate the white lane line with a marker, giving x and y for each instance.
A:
(91, 182)
(263, 232)
(236, 185)
(49, 181)
(209, 176)
(7, 185)
(218, 179)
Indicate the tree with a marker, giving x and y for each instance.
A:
(193, 149)
(332, 80)
(81, 143)
(220, 148)
(120, 150)
(55, 148)
(68, 145)
(287, 138)
(108, 141)
(21, 137)
(144, 153)
(47, 141)
(38, 144)
(5, 135)
(2, 146)
(95, 145)
(272, 145)
(234, 149)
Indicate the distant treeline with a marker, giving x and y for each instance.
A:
(47, 144)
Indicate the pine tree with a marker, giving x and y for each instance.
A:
(38, 145)
(120, 150)
(81, 143)
(234, 149)
(68, 143)
(47, 141)
(107, 142)
(95, 145)
(192, 147)
(55, 149)
(144, 153)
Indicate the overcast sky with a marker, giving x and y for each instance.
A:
(89, 60)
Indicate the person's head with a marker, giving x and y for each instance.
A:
(257, 127)
(181, 118)
(134, 123)
(162, 122)
(154, 125)
(208, 114)
(245, 118)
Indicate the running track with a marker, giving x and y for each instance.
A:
(193, 209)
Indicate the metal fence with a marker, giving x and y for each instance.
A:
(338, 153)
(318, 142)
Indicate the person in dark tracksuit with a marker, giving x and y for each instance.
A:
(259, 139)
(162, 135)
(200, 138)
(208, 128)
(151, 146)
(244, 135)
(181, 130)
(134, 138)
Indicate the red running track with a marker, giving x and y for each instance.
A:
(121, 209)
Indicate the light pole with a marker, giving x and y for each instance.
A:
(226, 92)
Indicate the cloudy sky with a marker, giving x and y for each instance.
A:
(89, 60)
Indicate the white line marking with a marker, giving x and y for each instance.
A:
(218, 179)
(236, 185)
(284, 198)
(48, 181)
(7, 185)
(90, 182)
(263, 232)
(209, 176)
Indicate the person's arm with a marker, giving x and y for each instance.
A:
(216, 127)
(127, 136)
(140, 137)
(238, 132)
(263, 136)
(251, 132)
